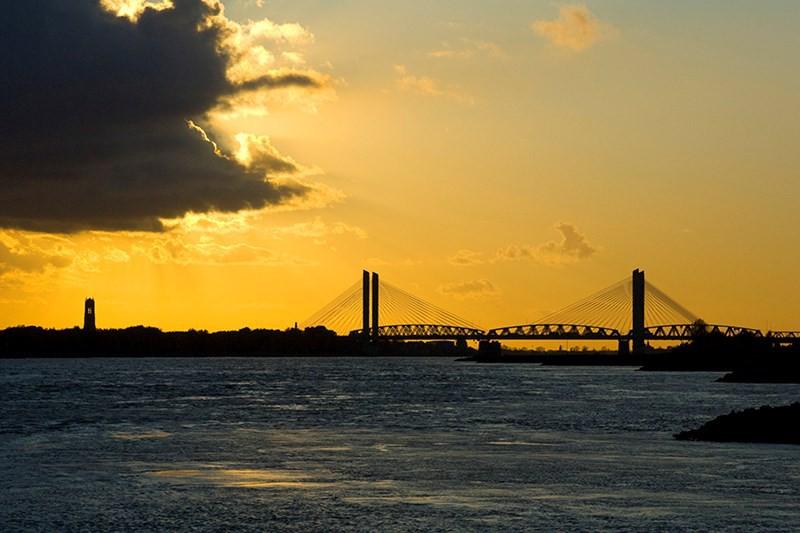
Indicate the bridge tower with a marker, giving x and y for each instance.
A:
(375, 306)
(365, 305)
(88, 315)
(637, 324)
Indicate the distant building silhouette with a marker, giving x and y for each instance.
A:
(89, 315)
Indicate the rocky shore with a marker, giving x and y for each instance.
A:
(774, 373)
(777, 425)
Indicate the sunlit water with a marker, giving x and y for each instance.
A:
(378, 444)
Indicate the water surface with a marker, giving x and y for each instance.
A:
(377, 444)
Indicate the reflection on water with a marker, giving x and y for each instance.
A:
(517, 443)
(140, 435)
(241, 478)
(366, 445)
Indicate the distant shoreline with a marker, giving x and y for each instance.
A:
(747, 360)
(29, 342)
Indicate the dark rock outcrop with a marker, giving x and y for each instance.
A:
(786, 371)
(777, 425)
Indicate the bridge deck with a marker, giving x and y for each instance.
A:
(553, 332)
(425, 332)
(575, 332)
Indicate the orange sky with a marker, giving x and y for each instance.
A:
(499, 161)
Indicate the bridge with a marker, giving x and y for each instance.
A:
(630, 312)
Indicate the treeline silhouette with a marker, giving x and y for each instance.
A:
(712, 352)
(747, 357)
(141, 341)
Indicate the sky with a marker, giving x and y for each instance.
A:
(199, 165)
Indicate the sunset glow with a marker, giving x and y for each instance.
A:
(499, 160)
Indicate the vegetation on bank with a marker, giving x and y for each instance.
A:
(141, 341)
(747, 358)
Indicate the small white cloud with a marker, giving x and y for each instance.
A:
(467, 49)
(427, 86)
(475, 289)
(467, 258)
(319, 230)
(572, 247)
(576, 28)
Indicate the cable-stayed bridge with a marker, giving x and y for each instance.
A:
(631, 311)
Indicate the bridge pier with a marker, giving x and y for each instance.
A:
(624, 347)
(461, 344)
(489, 350)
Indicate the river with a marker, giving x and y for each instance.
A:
(351, 444)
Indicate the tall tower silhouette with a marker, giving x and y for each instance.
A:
(365, 305)
(375, 306)
(88, 315)
(637, 303)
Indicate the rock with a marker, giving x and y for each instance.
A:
(766, 424)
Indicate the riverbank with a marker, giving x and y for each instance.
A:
(141, 341)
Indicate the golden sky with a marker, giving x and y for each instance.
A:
(500, 159)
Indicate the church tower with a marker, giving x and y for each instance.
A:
(88, 315)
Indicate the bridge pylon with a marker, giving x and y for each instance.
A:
(637, 305)
(365, 305)
(376, 289)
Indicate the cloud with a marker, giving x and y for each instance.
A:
(33, 259)
(466, 258)
(219, 239)
(378, 262)
(29, 260)
(572, 247)
(575, 29)
(133, 9)
(423, 85)
(105, 117)
(213, 223)
(417, 84)
(263, 49)
(257, 152)
(468, 49)
(318, 230)
(246, 44)
(211, 253)
(476, 289)
(259, 103)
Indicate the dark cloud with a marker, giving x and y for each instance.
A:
(94, 113)
(271, 81)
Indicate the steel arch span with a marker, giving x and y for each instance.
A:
(682, 332)
(553, 332)
(784, 335)
(425, 332)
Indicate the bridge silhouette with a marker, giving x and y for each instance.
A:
(630, 312)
